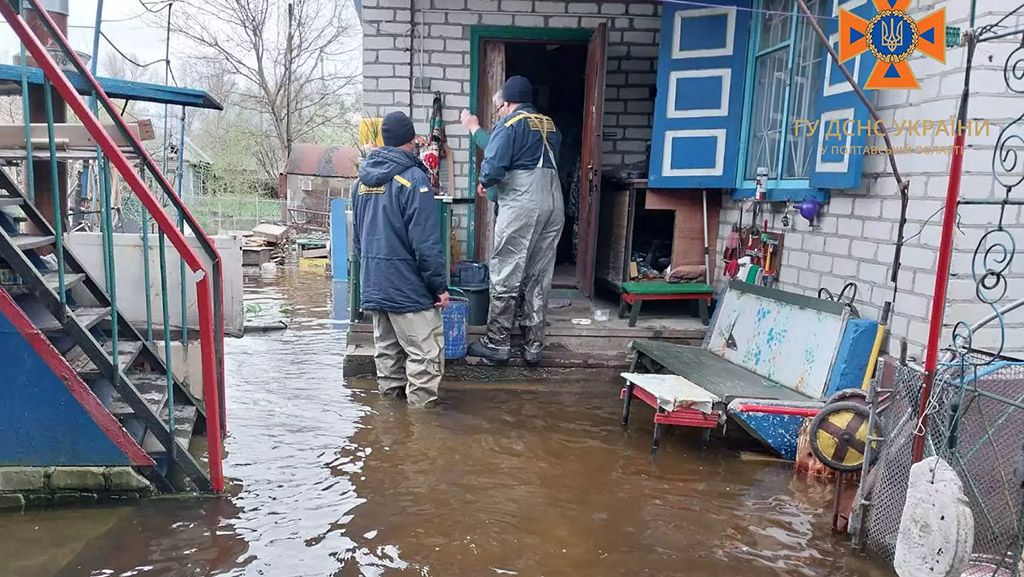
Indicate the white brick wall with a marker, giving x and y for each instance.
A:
(857, 229)
(441, 53)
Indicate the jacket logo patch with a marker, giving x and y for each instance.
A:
(424, 189)
(363, 189)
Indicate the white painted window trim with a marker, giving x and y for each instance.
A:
(730, 32)
(723, 107)
(843, 86)
(826, 117)
(716, 170)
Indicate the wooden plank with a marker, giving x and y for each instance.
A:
(590, 185)
(256, 255)
(492, 78)
(788, 343)
(315, 253)
(715, 374)
(71, 135)
(272, 232)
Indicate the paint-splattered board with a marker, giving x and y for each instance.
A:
(714, 374)
(788, 338)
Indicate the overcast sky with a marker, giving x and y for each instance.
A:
(125, 22)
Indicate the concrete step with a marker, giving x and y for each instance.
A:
(29, 241)
(71, 280)
(185, 417)
(127, 351)
(88, 317)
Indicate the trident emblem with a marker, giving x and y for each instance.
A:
(892, 35)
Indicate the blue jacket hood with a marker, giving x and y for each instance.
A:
(384, 163)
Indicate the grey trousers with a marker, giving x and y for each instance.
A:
(409, 354)
(526, 233)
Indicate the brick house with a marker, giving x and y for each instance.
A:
(702, 94)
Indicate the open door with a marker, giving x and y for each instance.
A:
(590, 162)
(492, 78)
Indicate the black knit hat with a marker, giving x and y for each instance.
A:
(517, 89)
(397, 129)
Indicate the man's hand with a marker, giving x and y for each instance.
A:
(481, 191)
(442, 300)
(469, 121)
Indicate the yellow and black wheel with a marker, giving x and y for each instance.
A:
(839, 435)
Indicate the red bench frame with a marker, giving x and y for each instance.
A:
(681, 417)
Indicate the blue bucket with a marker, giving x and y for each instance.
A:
(455, 319)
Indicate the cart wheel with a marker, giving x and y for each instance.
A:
(839, 435)
(853, 395)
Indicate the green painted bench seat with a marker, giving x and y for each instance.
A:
(634, 293)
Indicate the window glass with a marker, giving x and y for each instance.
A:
(787, 79)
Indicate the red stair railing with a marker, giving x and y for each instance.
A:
(208, 293)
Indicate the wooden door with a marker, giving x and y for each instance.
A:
(590, 178)
(492, 78)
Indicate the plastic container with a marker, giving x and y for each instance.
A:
(479, 301)
(471, 273)
(601, 315)
(455, 316)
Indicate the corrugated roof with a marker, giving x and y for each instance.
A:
(320, 160)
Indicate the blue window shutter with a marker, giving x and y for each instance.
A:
(699, 108)
(838, 157)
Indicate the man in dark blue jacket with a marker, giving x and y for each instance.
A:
(403, 278)
(520, 161)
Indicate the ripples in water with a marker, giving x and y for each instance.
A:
(327, 479)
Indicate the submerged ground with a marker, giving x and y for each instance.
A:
(528, 479)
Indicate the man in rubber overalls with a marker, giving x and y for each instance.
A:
(520, 162)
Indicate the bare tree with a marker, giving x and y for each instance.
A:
(116, 66)
(291, 70)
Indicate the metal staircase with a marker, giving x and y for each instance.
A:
(80, 324)
(80, 316)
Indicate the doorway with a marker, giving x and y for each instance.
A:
(557, 72)
(561, 66)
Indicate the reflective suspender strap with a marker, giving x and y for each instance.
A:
(542, 124)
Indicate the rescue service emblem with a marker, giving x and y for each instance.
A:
(892, 36)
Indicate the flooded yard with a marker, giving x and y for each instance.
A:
(529, 479)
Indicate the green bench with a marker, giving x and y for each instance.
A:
(634, 293)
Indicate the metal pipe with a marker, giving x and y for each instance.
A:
(938, 309)
(108, 248)
(181, 227)
(707, 252)
(58, 218)
(30, 185)
(777, 410)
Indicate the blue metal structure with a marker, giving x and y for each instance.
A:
(50, 416)
(11, 75)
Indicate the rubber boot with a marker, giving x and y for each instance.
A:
(533, 343)
(485, 350)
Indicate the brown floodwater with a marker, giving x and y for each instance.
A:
(530, 479)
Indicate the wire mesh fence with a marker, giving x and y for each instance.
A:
(976, 424)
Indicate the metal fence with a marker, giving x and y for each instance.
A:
(976, 424)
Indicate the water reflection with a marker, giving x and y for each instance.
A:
(327, 479)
